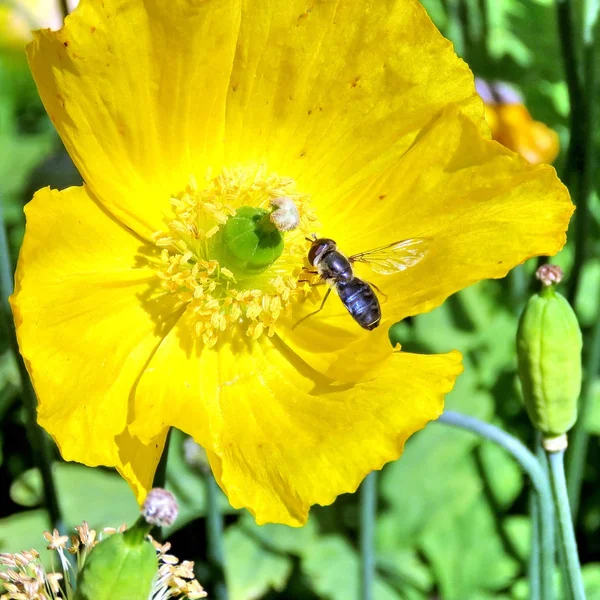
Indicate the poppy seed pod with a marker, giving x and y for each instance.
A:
(549, 356)
(251, 243)
(122, 566)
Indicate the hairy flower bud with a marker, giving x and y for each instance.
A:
(549, 355)
(160, 508)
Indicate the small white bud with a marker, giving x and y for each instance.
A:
(160, 508)
(285, 215)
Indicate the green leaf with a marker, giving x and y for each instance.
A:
(23, 531)
(100, 497)
(435, 478)
(591, 580)
(502, 41)
(502, 472)
(404, 568)
(518, 529)
(8, 369)
(433, 482)
(333, 568)
(588, 298)
(467, 555)
(280, 538)
(251, 569)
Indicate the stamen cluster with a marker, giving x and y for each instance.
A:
(189, 267)
(24, 576)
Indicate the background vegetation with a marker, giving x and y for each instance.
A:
(452, 519)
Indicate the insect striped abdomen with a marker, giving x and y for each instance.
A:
(361, 302)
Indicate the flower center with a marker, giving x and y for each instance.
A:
(223, 254)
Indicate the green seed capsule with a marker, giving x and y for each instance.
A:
(549, 354)
(122, 566)
(249, 242)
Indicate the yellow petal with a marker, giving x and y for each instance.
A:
(280, 436)
(332, 343)
(87, 322)
(145, 93)
(137, 461)
(480, 209)
(331, 92)
(137, 92)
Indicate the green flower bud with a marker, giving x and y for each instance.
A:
(122, 566)
(549, 355)
(249, 242)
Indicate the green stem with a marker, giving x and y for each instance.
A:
(368, 515)
(534, 573)
(579, 437)
(455, 31)
(40, 445)
(567, 38)
(485, 24)
(535, 570)
(581, 86)
(160, 475)
(518, 287)
(160, 481)
(566, 533)
(215, 550)
(588, 123)
(539, 480)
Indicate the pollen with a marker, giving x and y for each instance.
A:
(190, 267)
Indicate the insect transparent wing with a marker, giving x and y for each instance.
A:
(395, 257)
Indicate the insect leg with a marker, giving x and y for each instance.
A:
(377, 288)
(305, 270)
(316, 311)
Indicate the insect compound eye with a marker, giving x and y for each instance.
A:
(320, 247)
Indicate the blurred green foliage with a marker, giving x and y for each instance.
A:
(451, 520)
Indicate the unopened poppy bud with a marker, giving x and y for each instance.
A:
(122, 566)
(549, 355)
(160, 508)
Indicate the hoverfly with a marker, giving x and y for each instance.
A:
(358, 296)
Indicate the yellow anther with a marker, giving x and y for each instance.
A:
(189, 269)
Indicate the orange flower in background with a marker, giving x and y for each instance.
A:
(513, 126)
(142, 300)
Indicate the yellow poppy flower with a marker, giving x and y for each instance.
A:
(513, 126)
(178, 115)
